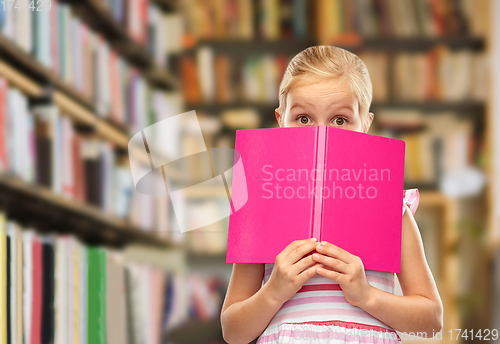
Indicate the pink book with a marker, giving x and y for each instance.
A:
(337, 185)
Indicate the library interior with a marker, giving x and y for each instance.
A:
(87, 258)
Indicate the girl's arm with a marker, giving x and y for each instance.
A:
(419, 310)
(247, 308)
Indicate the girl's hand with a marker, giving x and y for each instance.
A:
(345, 269)
(289, 273)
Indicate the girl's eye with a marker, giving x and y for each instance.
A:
(340, 121)
(304, 119)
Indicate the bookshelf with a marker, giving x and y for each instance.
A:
(118, 230)
(21, 70)
(238, 50)
(279, 31)
(48, 211)
(36, 214)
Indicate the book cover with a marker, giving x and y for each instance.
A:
(36, 310)
(47, 290)
(116, 311)
(3, 279)
(96, 307)
(337, 185)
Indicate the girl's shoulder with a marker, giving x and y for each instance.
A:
(411, 198)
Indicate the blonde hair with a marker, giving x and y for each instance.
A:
(318, 63)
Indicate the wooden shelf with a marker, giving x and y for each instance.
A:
(419, 43)
(196, 332)
(293, 46)
(167, 5)
(240, 47)
(206, 258)
(35, 204)
(461, 106)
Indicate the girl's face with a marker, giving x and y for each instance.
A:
(324, 103)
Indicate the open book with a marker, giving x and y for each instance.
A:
(337, 185)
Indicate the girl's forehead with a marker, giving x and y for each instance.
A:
(322, 86)
(331, 91)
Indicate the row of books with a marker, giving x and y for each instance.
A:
(147, 24)
(438, 74)
(133, 15)
(55, 289)
(246, 19)
(64, 44)
(442, 149)
(398, 18)
(207, 77)
(41, 146)
(331, 19)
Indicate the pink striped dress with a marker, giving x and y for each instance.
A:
(319, 312)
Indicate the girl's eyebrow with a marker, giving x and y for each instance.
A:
(346, 107)
(297, 104)
(345, 104)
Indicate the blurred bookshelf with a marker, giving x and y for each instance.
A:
(430, 73)
(76, 83)
(38, 205)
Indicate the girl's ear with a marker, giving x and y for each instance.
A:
(278, 116)
(368, 122)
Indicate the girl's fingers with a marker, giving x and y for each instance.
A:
(332, 275)
(302, 264)
(334, 251)
(332, 263)
(308, 273)
(293, 245)
(300, 251)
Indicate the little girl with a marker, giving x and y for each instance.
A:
(328, 297)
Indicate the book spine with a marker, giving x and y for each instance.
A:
(3, 280)
(319, 181)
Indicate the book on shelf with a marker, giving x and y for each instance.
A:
(442, 149)
(346, 22)
(252, 79)
(438, 74)
(246, 19)
(337, 185)
(337, 21)
(165, 35)
(55, 288)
